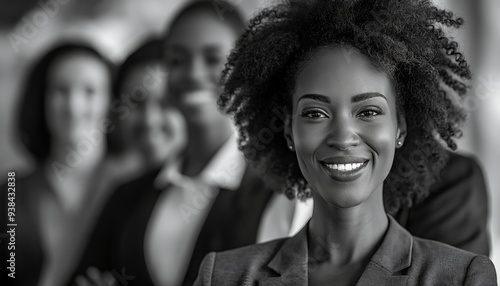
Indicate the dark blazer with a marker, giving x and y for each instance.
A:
(456, 210)
(29, 252)
(458, 205)
(117, 243)
(401, 259)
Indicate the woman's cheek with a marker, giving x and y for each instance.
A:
(382, 139)
(309, 139)
(307, 144)
(99, 106)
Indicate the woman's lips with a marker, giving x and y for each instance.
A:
(197, 98)
(345, 172)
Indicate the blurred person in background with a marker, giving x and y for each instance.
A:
(150, 138)
(63, 124)
(145, 138)
(158, 228)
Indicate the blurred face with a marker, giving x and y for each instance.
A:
(157, 128)
(77, 97)
(195, 54)
(344, 127)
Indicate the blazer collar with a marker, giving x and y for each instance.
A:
(290, 262)
(392, 257)
(384, 268)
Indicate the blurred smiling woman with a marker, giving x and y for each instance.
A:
(365, 84)
(63, 124)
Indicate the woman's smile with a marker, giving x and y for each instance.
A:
(344, 169)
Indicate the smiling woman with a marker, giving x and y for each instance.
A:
(63, 124)
(364, 84)
(345, 127)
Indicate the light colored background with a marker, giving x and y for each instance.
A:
(117, 26)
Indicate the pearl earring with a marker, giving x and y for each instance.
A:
(290, 147)
(399, 143)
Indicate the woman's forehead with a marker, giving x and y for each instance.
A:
(200, 28)
(334, 71)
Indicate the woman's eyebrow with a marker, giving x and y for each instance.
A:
(366, 95)
(211, 49)
(317, 97)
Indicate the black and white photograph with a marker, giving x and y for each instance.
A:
(250, 142)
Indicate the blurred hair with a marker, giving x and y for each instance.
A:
(148, 52)
(403, 38)
(223, 10)
(32, 126)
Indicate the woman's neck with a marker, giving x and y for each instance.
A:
(204, 141)
(74, 159)
(70, 172)
(342, 236)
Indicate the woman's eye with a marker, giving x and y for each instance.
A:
(175, 61)
(89, 91)
(369, 113)
(213, 60)
(60, 90)
(314, 114)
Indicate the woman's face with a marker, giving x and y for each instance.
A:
(154, 126)
(344, 126)
(77, 97)
(196, 51)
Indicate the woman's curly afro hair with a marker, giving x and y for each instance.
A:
(404, 38)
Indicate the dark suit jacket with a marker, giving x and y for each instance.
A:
(117, 243)
(401, 259)
(456, 211)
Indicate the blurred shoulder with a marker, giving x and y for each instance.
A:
(461, 167)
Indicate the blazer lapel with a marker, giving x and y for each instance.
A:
(290, 262)
(388, 264)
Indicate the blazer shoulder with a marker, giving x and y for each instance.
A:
(481, 271)
(459, 169)
(232, 267)
(436, 261)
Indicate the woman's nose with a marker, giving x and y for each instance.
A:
(197, 71)
(75, 102)
(342, 135)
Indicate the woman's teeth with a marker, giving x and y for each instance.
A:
(345, 167)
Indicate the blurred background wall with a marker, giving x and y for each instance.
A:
(28, 27)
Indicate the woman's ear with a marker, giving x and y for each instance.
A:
(288, 133)
(401, 132)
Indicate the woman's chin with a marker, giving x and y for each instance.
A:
(345, 199)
